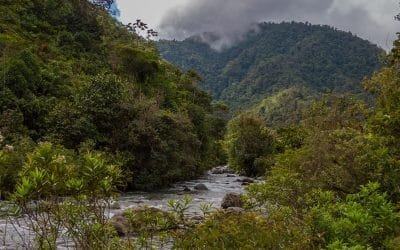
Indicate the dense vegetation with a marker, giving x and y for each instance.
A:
(88, 108)
(331, 170)
(73, 76)
(249, 144)
(331, 180)
(275, 58)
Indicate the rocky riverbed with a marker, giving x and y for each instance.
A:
(210, 188)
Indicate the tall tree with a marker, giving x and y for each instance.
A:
(249, 143)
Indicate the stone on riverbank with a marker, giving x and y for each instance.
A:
(232, 200)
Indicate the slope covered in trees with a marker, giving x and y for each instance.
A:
(73, 76)
(331, 181)
(85, 104)
(275, 58)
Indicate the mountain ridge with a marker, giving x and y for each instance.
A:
(276, 57)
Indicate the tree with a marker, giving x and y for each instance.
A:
(385, 85)
(249, 145)
(139, 28)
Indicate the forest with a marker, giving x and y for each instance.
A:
(275, 57)
(90, 110)
(74, 77)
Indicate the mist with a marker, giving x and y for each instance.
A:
(229, 20)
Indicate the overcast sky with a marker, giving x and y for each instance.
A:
(150, 11)
(369, 19)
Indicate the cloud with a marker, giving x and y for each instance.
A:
(229, 20)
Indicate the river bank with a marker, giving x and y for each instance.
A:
(208, 189)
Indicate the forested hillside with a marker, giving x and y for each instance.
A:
(73, 76)
(90, 109)
(277, 57)
(331, 180)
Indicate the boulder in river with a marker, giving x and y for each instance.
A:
(186, 189)
(201, 186)
(232, 200)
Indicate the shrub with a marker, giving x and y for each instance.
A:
(12, 158)
(249, 230)
(366, 219)
(60, 193)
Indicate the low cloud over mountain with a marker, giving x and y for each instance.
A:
(229, 20)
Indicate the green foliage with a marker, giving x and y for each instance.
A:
(329, 175)
(278, 57)
(366, 219)
(363, 220)
(84, 103)
(148, 225)
(249, 230)
(180, 207)
(331, 153)
(23, 75)
(27, 90)
(165, 142)
(58, 189)
(285, 107)
(249, 144)
(11, 161)
(289, 137)
(73, 75)
(50, 171)
(321, 189)
(335, 112)
(386, 120)
(140, 64)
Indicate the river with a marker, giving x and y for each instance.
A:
(218, 184)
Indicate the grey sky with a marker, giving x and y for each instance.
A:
(150, 11)
(369, 19)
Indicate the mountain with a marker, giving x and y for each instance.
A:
(277, 57)
(73, 76)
